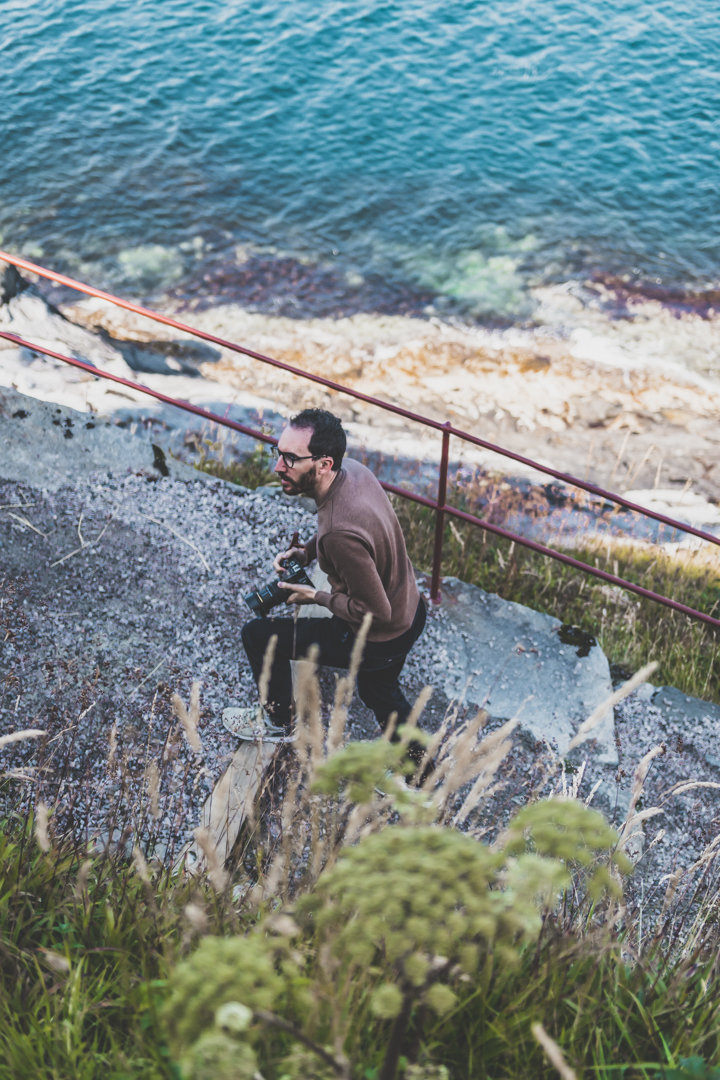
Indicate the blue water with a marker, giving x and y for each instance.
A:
(464, 147)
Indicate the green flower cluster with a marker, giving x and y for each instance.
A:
(216, 990)
(217, 1056)
(565, 829)
(396, 923)
(356, 770)
(405, 895)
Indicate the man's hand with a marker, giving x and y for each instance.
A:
(295, 553)
(299, 594)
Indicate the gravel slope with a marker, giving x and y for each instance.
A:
(107, 635)
(95, 642)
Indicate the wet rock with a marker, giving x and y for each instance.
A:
(166, 358)
(11, 283)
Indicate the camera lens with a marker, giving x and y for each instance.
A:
(254, 603)
(265, 599)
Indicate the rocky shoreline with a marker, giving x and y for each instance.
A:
(107, 634)
(627, 419)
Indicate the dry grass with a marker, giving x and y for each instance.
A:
(591, 954)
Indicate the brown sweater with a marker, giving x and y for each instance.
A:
(360, 546)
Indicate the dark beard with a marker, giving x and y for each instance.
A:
(305, 483)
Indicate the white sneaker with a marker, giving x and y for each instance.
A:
(252, 724)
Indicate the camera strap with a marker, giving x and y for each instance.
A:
(295, 542)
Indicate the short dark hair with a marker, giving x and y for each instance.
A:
(328, 438)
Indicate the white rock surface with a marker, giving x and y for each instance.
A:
(684, 505)
(30, 317)
(46, 445)
(513, 659)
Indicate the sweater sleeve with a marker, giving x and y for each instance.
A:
(363, 590)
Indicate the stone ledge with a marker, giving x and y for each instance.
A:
(512, 659)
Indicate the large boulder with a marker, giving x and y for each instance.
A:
(48, 446)
(518, 662)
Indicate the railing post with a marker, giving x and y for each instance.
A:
(440, 517)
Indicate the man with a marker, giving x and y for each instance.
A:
(360, 546)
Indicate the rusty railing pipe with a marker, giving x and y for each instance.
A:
(440, 517)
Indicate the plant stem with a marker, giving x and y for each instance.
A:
(340, 1066)
(397, 1039)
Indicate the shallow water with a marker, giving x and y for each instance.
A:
(453, 153)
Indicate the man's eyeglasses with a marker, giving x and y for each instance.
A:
(289, 459)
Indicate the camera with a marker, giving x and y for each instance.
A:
(263, 600)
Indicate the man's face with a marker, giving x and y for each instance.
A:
(303, 475)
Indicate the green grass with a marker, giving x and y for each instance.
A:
(83, 977)
(610, 1016)
(82, 970)
(251, 470)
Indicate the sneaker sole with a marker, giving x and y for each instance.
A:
(232, 728)
(265, 738)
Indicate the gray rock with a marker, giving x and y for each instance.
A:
(691, 712)
(274, 491)
(46, 446)
(166, 357)
(11, 284)
(614, 801)
(503, 654)
(151, 360)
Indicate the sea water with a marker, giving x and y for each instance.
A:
(461, 152)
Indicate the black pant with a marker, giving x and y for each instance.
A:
(377, 680)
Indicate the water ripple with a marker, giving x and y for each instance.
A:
(419, 141)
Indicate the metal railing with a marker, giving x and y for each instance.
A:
(439, 505)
